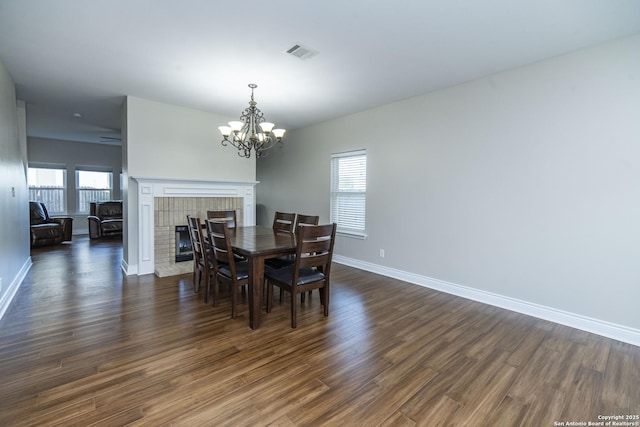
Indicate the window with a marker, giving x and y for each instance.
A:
(348, 192)
(92, 186)
(48, 186)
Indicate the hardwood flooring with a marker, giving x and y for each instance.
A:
(82, 345)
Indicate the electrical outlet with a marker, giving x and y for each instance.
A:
(381, 253)
(0, 284)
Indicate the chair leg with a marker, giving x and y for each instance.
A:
(264, 293)
(269, 287)
(207, 289)
(196, 281)
(294, 322)
(216, 291)
(325, 290)
(302, 297)
(234, 301)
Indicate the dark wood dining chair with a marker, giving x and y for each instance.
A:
(311, 269)
(228, 270)
(214, 266)
(284, 222)
(306, 220)
(302, 219)
(202, 265)
(230, 218)
(227, 216)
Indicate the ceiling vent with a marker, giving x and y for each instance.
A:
(301, 52)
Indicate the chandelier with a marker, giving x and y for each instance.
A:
(252, 132)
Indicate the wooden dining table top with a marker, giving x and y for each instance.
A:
(261, 241)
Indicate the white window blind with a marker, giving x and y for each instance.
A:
(49, 187)
(348, 191)
(92, 186)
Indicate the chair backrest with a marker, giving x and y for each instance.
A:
(223, 216)
(38, 213)
(306, 220)
(108, 209)
(315, 247)
(284, 222)
(221, 250)
(197, 238)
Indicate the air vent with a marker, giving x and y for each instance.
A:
(301, 52)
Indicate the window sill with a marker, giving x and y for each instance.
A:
(352, 234)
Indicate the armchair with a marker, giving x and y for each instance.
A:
(46, 230)
(105, 219)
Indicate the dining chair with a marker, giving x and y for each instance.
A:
(202, 265)
(306, 220)
(302, 219)
(311, 269)
(284, 222)
(214, 266)
(228, 216)
(228, 270)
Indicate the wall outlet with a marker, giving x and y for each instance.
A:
(0, 284)
(381, 253)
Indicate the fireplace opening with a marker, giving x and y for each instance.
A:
(184, 251)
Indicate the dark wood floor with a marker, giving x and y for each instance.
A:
(81, 345)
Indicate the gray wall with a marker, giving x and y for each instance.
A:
(14, 208)
(524, 184)
(73, 155)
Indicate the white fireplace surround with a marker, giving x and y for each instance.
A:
(150, 188)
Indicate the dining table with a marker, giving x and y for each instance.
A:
(258, 243)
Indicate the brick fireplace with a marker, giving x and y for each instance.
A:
(172, 211)
(163, 204)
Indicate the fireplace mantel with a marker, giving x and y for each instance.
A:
(150, 188)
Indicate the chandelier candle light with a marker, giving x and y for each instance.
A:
(252, 132)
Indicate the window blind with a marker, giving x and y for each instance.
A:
(92, 186)
(348, 191)
(48, 185)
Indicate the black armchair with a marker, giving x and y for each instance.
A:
(105, 219)
(46, 230)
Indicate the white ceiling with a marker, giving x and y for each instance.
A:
(69, 56)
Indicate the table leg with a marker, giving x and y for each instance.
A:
(256, 277)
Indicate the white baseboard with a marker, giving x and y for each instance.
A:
(128, 270)
(7, 297)
(596, 326)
